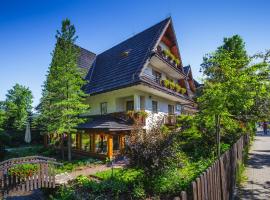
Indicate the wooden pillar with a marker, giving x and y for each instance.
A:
(122, 142)
(80, 140)
(93, 143)
(110, 146)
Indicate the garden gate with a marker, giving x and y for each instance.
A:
(26, 174)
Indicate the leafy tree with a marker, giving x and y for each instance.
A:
(62, 100)
(17, 107)
(234, 49)
(2, 116)
(235, 89)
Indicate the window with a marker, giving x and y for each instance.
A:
(86, 142)
(130, 105)
(116, 142)
(157, 76)
(178, 107)
(142, 102)
(101, 144)
(103, 108)
(171, 109)
(154, 106)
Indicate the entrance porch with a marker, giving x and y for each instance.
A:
(102, 136)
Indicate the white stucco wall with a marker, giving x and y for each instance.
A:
(116, 102)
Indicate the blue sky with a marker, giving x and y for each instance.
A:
(27, 30)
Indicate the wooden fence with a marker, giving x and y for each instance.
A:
(42, 177)
(219, 180)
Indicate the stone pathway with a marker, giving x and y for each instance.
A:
(258, 170)
(65, 177)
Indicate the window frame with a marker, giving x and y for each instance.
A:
(170, 106)
(101, 108)
(156, 107)
(127, 103)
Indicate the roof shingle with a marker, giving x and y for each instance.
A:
(114, 68)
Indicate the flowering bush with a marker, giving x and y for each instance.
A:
(23, 170)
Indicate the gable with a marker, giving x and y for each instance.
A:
(168, 41)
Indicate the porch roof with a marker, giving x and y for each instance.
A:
(105, 123)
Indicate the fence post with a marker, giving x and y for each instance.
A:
(199, 188)
(183, 195)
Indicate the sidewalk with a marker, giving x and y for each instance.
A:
(258, 170)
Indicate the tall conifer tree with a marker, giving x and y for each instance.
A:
(63, 97)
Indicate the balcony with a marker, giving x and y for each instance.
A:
(166, 84)
(167, 62)
(133, 117)
(170, 120)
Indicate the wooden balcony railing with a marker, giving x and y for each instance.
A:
(130, 117)
(160, 82)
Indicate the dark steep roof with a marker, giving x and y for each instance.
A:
(85, 59)
(105, 123)
(197, 84)
(186, 69)
(120, 66)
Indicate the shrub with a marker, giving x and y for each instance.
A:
(152, 150)
(23, 170)
(64, 193)
(240, 174)
(138, 192)
(5, 139)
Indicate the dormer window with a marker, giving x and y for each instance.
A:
(125, 53)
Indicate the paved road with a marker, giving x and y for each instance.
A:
(258, 170)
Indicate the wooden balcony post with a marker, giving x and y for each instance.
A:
(122, 142)
(110, 146)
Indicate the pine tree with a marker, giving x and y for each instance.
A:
(63, 97)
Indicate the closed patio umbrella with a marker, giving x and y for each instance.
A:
(27, 137)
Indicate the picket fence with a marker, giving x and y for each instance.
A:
(43, 177)
(218, 182)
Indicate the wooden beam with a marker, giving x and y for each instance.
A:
(110, 146)
(122, 142)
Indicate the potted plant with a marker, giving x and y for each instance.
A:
(168, 55)
(183, 91)
(177, 62)
(177, 88)
(167, 83)
(130, 114)
(172, 85)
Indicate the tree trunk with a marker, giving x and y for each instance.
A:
(69, 146)
(62, 147)
(217, 119)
